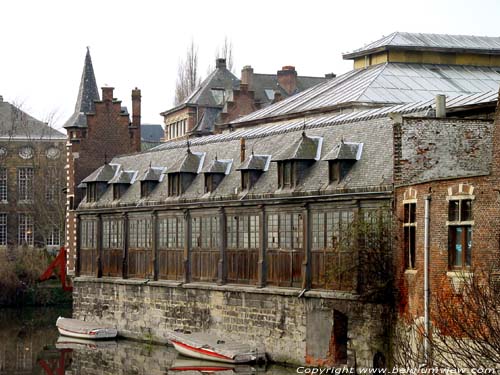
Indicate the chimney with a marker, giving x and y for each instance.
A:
(287, 78)
(242, 150)
(107, 94)
(277, 96)
(136, 107)
(330, 75)
(247, 76)
(440, 106)
(1, 98)
(220, 63)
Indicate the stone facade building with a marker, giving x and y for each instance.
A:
(222, 97)
(98, 130)
(31, 181)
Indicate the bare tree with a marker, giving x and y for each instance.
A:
(224, 52)
(188, 77)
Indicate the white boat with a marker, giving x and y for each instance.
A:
(65, 342)
(207, 347)
(84, 330)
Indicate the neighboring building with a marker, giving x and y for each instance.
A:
(151, 136)
(97, 131)
(281, 229)
(31, 181)
(222, 97)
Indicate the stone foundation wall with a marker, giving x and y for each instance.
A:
(293, 330)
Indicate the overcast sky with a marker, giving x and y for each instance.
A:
(139, 43)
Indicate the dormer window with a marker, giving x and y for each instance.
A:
(296, 159)
(151, 177)
(97, 182)
(252, 168)
(215, 173)
(121, 182)
(341, 160)
(174, 184)
(183, 172)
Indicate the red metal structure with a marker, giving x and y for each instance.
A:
(59, 261)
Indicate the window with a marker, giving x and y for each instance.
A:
(25, 183)
(91, 192)
(140, 233)
(52, 187)
(205, 232)
(209, 183)
(243, 232)
(174, 184)
(284, 231)
(460, 233)
(147, 187)
(112, 233)
(245, 180)
(54, 237)
(3, 184)
(286, 174)
(119, 190)
(3, 229)
(409, 228)
(171, 232)
(338, 169)
(25, 230)
(88, 234)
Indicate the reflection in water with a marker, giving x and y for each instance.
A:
(30, 344)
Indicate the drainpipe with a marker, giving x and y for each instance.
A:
(426, 278)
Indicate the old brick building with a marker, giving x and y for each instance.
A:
(97, 131)
(31, 181)
(281, 229)
(222, 97)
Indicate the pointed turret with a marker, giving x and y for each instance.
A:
(87, 94)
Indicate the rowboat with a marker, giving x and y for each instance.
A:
(84, 330)
(206, 346)
(65, 342)
(183, 364)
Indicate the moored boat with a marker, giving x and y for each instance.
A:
(84, 330)
(206, 346)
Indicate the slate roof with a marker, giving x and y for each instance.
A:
(87, 94)
(218, 166)
(124, 177)
(17, 124)
(102, 174)
(255, 163)
(304, 148)
(152, 174)
(189, 162)
(449, 43)
(384, 84)
(151, 132)
(345, 151)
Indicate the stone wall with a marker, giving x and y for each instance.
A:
(293, 330)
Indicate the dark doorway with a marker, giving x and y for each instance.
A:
(340, 323)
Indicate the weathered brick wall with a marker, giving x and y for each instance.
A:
(428, 149)
(293, 330)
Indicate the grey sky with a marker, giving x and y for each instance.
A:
(139, 43)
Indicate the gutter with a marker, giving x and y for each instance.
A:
(426, 279)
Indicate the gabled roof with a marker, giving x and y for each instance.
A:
(439, 42)
(151, 132)
(17, 124)
(255, 163)
(87, 94)
(102, 174)
(384, 84)
(190, 162)
(304, 148)
(152, 174)
(219, 166)
(345, 151)
(124, 177)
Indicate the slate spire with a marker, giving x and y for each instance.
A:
(87, 94)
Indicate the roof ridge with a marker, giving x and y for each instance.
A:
(381, 68)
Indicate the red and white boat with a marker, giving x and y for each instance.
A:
(207, 347)
(84, 330)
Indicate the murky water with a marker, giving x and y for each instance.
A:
(30, 344)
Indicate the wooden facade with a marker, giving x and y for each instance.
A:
(307, 245)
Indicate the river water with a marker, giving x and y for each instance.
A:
(30, 344)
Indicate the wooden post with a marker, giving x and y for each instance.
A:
(262, 267)
(187, 247)
(222, 265)
(154, 234)
(99, 245)
(306, 265)
(125, 246)
(77, 250)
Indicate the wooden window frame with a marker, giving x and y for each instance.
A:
(3, 185)
(287, 174)
(3, 228)
(460, 232)
(409, 234)
(174, 184)
(25, 176)
(25, 226)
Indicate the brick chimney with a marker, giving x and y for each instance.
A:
(247, 76)
(136, 107)
(107, 94)
(220, 63)
(287, 78)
